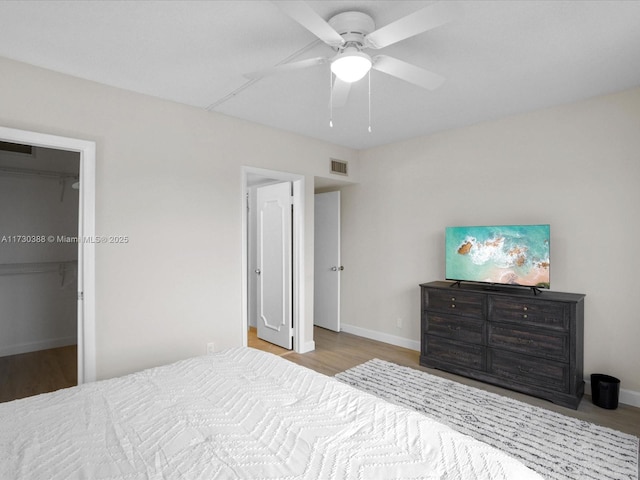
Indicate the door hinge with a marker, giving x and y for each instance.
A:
(80, 295)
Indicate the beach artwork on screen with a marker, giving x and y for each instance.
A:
(504, 254)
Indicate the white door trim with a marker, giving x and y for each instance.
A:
(298, 253)
(86, 229)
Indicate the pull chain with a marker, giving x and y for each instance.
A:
(330, 99)
(369, 101)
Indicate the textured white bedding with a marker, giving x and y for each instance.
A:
(239, 414)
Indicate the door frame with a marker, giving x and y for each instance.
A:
(317, 291)
(298, 277)
(86, 230)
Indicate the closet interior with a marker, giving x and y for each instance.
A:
(39, 205)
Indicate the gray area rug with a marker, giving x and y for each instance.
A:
(554, 445)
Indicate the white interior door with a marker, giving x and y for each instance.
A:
(273, 270)
(327, 266)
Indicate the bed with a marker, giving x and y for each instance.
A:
(237, 414)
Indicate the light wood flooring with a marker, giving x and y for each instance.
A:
(336, 352)
(32, 373)
(254, 342)
(48, 370)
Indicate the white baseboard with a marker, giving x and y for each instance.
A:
(628, 397)
(381, 337)
(36, 346)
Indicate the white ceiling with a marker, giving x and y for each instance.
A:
(499, 58)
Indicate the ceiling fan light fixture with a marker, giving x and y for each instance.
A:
(351, 65)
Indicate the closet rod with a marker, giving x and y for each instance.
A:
(39, 173)
(62, 177)
(36, 267)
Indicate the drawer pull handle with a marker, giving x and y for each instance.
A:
(525, 309)
(453, 299)
(524, 370)
(453, 329)
(453, 305)
(524, 316)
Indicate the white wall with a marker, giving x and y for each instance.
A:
(37, 304)
(169, 177)
(576, 167)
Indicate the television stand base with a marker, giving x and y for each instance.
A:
(507, 288)
(499, 287)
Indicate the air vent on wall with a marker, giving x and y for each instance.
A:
(339, 167)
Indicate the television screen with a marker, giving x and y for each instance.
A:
(498, 254)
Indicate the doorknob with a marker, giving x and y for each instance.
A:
(335, 269)
(258, 271)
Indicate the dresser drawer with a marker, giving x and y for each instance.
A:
(455, 302)
(553, 315)
(527, 370)
(465, 329)
(545, 343)
(446, 352)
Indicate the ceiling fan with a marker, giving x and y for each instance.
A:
(351, 33)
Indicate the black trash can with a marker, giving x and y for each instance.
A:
(605, 390)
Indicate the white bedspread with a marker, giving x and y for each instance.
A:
(239, 414)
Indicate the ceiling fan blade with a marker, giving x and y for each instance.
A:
(287, 67)
(340, 93)
(407, 72)
(309, 19)
(418, 22)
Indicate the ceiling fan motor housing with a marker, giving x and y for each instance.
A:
(352, 26)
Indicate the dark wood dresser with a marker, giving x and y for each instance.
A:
(506, 336)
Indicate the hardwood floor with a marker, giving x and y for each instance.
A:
(254, 342)
(48, 370)
(32, 373)
(336, 352)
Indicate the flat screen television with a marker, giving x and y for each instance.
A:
(498, 255)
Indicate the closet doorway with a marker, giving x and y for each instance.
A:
(253, 180)
(47, 263)
(38, 269)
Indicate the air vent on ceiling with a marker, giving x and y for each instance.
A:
(15, 148)
(339, 167)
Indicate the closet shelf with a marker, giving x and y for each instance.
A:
(62, 177)
(61, 267)
(37, 173)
